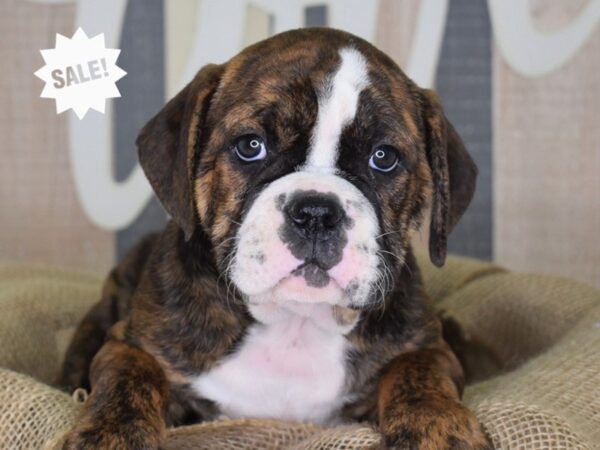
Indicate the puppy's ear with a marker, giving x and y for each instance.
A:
(167, 146)
(453, 173)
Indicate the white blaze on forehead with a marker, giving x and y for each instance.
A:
(337, 107)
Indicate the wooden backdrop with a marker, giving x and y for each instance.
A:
(536, 139)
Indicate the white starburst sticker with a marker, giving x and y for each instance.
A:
(80, 73)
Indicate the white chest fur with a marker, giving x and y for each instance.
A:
(290, 368)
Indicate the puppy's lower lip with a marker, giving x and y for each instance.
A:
(296, 288)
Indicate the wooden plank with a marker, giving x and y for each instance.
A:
(547, 160)
(395, 27)
(41, 218)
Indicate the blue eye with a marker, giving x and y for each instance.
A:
(250, 147)
(384, 159)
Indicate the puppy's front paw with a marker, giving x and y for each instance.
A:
(90, 437)
(433, 424)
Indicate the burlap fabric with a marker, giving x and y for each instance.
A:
(545, 329)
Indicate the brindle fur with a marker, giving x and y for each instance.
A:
(168, 312)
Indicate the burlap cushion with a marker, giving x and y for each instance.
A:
(546, 329)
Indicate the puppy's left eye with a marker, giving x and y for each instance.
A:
(384, 159)
(250, 147)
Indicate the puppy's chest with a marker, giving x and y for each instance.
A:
(287, 370)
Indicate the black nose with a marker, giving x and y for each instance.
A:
(314, 215)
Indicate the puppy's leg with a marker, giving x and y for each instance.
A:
(419, 404)
(89, 337)
(127, 405)
(113, 307)
(479, 361)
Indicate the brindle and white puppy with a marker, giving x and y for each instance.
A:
(285, 286)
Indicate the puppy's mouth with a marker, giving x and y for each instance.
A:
(313, 273)
(307, 283)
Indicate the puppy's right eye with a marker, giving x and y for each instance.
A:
(384, 159)
(250, 147)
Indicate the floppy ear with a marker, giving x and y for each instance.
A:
(167, 145)
(453, 173)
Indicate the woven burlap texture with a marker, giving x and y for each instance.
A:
(545, 329)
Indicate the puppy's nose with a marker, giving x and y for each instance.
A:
(314, 215)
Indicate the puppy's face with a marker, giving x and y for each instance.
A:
(314, 156)
(309, 158)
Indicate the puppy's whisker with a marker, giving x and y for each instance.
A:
(225, 241)
(221, 276)
(400, 260)
(229, 261)
(233, 221)
(385, 234)
(231, 287)
(229, 281)
(383, 284)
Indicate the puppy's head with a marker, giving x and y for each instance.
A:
(307, 159)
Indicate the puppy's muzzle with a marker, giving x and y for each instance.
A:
(308, 238)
